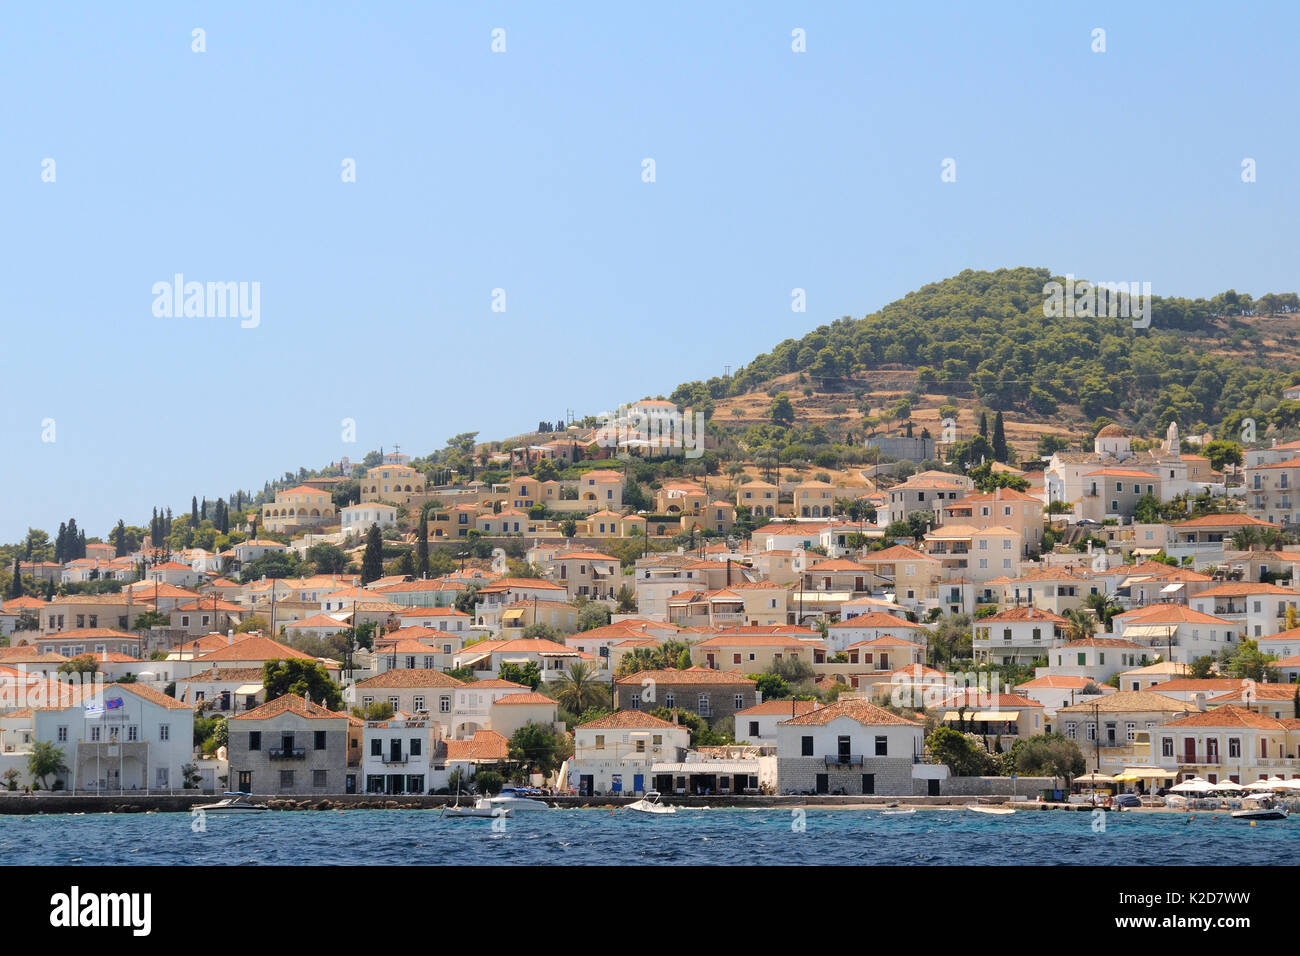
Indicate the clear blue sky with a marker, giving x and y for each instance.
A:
(522, 171)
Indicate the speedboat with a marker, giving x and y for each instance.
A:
(650, 804)
(514, 798)
(233, 801)
(896, 813)
(1263, 810)
(996, 811)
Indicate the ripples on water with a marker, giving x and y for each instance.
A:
(596, 837)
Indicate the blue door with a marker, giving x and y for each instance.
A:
(638, 783)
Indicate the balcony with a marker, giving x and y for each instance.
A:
(287, 753)
(844, 760)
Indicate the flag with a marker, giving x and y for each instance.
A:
(113, 703)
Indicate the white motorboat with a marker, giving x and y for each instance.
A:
(896, 813)
(515, 799)
(233, 802)
(650, 804)
(481, 808)
(994, 811)
(1263, 809)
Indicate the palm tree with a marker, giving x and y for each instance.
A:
(1101, 605)
(1079, 624)
(1246, 539)
(576, 689)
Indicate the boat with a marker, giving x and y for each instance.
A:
(1265, 810)
(896, 813)
(233, 802)
(514, 798)
(650, 804)
(481, 808)
(996, 811)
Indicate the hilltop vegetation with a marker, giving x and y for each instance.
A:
(981, 337)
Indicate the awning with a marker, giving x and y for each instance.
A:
(1160, 631)
(513, 615)
(995, 715)
(1148, 773)
(951, 715)
(710, 767)
(1171, 588)
(249, 689)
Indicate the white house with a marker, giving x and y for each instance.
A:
(357, 519)
(615, 754)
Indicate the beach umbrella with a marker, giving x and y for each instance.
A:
(1289, 785)
(1228, 785)
(1195, 785)
(1260, 785)
(1096, 777)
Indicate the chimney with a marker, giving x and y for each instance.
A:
(230, 636)
(1200, 701)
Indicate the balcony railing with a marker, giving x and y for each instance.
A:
(844, 760)
(390, 758)
(287, 753)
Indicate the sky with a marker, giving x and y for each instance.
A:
(523, 170)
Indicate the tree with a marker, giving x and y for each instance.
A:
(568, 527)
(489, 782)
(16, 582)
(1147, 510)
(542, 631)
(984, 425)
(372, 562)
(540, 748)
(1079, 624)
(422, 545)
(45, 760)
(527, 674)
(1248, 662)
(781, 411)
(304, 678)
(577, 689)
(82, 664)
(962, 753)
(150, 619)
(999, 439)
(593, 614)
(626, 598)
(1048, 755)
(771, 686)
(328, 558)
(1201, 667)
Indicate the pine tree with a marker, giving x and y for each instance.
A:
(984, 425)
(372, 562)
(999, 440)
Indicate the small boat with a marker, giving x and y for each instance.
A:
(650, 804)
(481, 808)
(995, 811)
(514, 798)
(233, 802)
(896, 813)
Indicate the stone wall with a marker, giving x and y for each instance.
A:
(893, 775)
(996, 786)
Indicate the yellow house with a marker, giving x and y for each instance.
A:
(715, 516)
(300, 507)
(761, 497)
(609, 524)
(814, 499)
(397, 484)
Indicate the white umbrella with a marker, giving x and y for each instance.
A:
(1228, 785)
(1195, 785)
(1289, 785)
(1259, 785)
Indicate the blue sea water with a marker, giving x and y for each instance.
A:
(690, 837)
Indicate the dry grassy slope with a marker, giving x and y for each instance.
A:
(1279, 344)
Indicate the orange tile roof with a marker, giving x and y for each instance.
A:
(485, 745)
(689, 675)
(859, 710)
(290, 703)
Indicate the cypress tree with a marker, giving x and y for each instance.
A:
(61, 543)
(984, 425)
(372, 562)
(16, 585)
(999, 440)
(81, 544)
(194, 511)
(422, 546)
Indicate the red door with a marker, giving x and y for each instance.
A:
(1189, 750)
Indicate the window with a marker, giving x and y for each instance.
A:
(600, 741)
(133, 733)
(1092, 732)
(417, 703)
(1166, 746)
(704, 709)
(636, 702)
(1234, 748)
(740, 702)
(376, 747)
(444, 705)
(670, 701)
(254, 740)
(393, 702)
(286, 779)
(164, 732)
(807, 744)
(753, 728)
(319, 742)
(161, 778)
(62, 734)
(1130, 730)
(94, 734)
(319, 779)
(415, 747)
(882, 746)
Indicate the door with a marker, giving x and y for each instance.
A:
(585, 785)
(245, 781)
(823, 783)
(933, 788)
(350, 785)
(395, 750)
(844, 749)
(1189, 750)
(868, 783)
(638, 783)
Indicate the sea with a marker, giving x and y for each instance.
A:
(596, 837)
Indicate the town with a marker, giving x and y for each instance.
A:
(591, 611)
